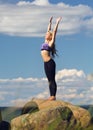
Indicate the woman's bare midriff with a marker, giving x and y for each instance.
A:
(45, 55)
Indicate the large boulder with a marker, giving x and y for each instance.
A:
(79, 113)
(51, 115)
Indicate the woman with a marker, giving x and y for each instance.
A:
(48, 52)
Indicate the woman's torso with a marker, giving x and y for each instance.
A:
(45, 52)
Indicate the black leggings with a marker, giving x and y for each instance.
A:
(50, 67)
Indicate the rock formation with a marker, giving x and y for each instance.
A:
(41, 114)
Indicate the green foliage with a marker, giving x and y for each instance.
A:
(54, 124)
(0, 117)
(89, 108)
(89, 127)
(66, 113)
(9, 113)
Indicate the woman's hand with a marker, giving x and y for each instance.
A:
(50, 20)
(58, 19)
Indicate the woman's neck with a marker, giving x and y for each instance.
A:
(46, 41)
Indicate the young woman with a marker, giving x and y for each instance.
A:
(48, 52)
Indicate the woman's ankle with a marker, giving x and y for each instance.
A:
(52, 98)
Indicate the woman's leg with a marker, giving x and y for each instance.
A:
(50, 67)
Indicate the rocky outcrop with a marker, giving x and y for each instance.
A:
(52, 115)
(0, 117)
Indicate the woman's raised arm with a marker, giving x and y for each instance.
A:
(49, 25)
(55, 29)
(56, 26)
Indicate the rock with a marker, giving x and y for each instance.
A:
(4, 125)
(54, 118)
(30, 107)
(0, 117)
(79, 113)
(51, 115)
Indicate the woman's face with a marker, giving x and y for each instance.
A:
(48, 36)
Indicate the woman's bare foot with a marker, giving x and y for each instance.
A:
(52, 98)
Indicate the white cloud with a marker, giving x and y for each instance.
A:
(73, 86)
(35, 2)
(19, 102)
(20, 3)
(43, 95)
(40, 2)
(31, 18)
(90, 77)
(2, 95)
(91, 88)
(70, 75)
(18, 80)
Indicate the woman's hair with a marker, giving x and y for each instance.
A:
(53, 51)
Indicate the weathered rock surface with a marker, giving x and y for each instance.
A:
(52, 115)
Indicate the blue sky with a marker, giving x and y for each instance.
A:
(23, 25)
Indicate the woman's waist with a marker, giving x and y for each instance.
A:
(45, 53)
(46, 57)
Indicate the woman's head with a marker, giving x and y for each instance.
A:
(48, 36)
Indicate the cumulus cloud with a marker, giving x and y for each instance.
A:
(2, 94)
(35, 2)
(90, 77)
(31, 18)
(73, 86)
(70, 74)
